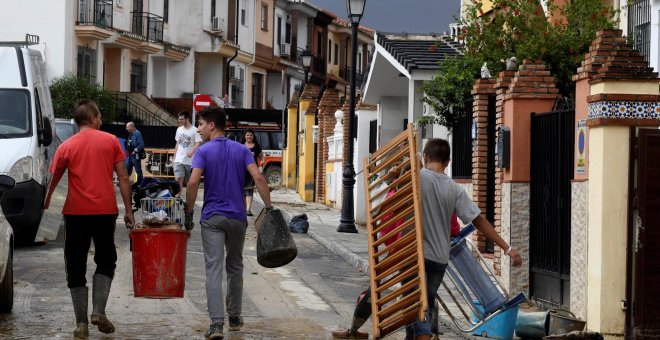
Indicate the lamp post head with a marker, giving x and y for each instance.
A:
(355, 10)
(306, 59)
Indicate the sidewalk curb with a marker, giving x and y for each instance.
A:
(336, 248)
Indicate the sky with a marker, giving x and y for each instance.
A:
(396, 16)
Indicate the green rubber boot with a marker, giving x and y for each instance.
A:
(101, 291)
(79, 296)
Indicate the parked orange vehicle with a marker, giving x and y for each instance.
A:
(159, 162)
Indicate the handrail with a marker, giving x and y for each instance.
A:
(130, 110)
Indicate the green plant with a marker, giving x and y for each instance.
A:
(68, 89)
(559, 36)
(447, 92)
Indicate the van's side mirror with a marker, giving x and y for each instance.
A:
(46, 134)
(6, 183)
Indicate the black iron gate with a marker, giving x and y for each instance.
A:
(552, 149)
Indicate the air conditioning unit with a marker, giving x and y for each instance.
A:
(216, 24)
(285, 49)
(232, 73)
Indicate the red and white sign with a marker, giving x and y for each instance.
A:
(201, 101)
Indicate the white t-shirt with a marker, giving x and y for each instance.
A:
(186, 140)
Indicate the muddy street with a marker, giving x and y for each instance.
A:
(305, 299)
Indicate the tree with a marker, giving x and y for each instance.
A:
(67, 90)
(559, 36)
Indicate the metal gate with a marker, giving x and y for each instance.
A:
(552, 138)
(646, 295)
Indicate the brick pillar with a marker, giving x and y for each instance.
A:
(501, 86)
(326, 122)
(482, 90)
(623, 94)
(532, 89)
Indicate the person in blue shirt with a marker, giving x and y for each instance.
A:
(134, 145)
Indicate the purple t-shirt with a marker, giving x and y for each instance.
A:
(223, 163)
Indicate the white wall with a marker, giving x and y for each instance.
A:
(274, 90)
(302, 31)
(391, 113)
(181, 77)
(362, 151)
(246, 33)
(210, 79)
(52, 21)
(159, 81)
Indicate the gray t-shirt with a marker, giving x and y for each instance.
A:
(441, 197)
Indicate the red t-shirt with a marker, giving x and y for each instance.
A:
(90, 156)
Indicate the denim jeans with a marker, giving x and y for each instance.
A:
(434, 273)
(134, 161)
(218, 233)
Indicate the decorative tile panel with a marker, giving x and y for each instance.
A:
(624, 109)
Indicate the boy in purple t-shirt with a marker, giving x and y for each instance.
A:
(223, 163)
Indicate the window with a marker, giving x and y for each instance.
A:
(212, 9)
(15, 113)
(236, 89)
(639, 26)
(336, 54)
(166, 10)
(243, 16)
(138, 76)
(264, 17)
(359, 63)
(287, 32)
(86, 63)
(279, 30)
(329, 51)
(257, 91)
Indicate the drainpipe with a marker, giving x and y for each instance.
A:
(227, 73)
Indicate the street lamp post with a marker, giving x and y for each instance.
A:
(306, 61)
(347, 220)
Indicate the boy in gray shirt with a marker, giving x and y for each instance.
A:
(441, 197)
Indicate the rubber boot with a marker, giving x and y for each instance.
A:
(101, 290)
(79, 296)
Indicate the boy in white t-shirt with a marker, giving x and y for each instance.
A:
(187, 141)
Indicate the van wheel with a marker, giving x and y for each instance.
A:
(274, 175)
(7, 287)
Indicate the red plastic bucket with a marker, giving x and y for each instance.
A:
(159, 262)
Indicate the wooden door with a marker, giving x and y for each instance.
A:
(646, 292)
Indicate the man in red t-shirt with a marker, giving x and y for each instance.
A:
(90, 211)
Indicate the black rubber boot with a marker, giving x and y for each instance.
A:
(101, 290)
(79, 296)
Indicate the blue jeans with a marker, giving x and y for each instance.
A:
(219, 232)
(134, 161)
(434, 273)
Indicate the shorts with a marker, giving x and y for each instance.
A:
(182, 171)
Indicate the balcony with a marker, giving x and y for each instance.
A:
(318, 69)
(150, 27)
(94, 19)
(346, 74)
(175, 52)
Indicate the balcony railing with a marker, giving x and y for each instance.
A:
(359, 76)
(148, 25)
(95, 12)
(639, 26)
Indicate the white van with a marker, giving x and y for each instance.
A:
(26, 139)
